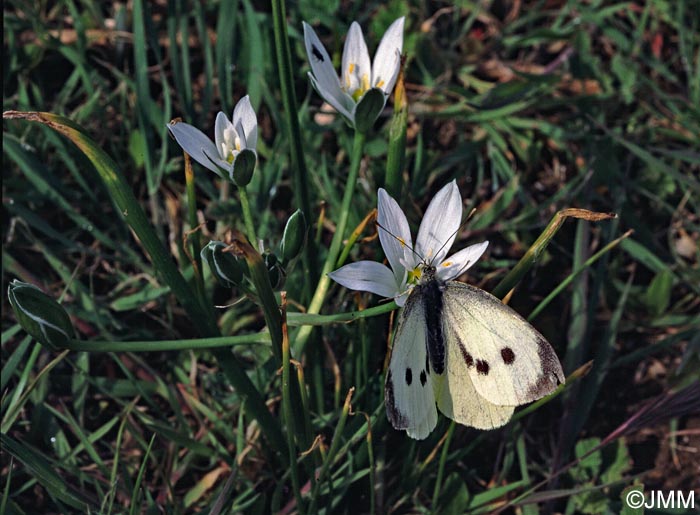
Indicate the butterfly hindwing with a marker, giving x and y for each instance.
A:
(409, 395)
(458, 399)
(508, 361)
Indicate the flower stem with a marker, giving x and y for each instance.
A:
(284, 69)
(336, 242)
(247, 217)
(287, 409)
(169, 345)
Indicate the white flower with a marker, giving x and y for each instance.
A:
(233, 138)
(437, 232)
(357, 78)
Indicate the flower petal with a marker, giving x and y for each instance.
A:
(195, 143)
(367, 276)
(356, 71)
(458, 263)
(341, 103)
(321, 64)
(244, 115)
(220, 125)
(387, 59)
(440, 224)
(394, 233)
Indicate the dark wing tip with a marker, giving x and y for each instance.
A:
(398, 420)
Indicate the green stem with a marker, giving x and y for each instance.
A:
(261, 280)
(336, 243)
(287, 411)
(293, 320)
(247, 217)
(283, 54)
(169, 345)
(284, 67)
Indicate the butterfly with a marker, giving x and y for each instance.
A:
(461, 348)
(455, 346)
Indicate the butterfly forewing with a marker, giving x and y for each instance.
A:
(508, 361)
(409, 395)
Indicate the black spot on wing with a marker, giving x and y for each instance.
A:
(468, 359)
(423, 378)
(397, 419)
(482, 367)
(317, 53)
(508, 355)
(409, 376)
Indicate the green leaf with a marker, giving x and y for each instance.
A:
(629, 500)
(658, 296)
(589, 467)
(137, 148)
(454, 495)
(43, 473)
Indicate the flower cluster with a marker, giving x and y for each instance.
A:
(436, 235)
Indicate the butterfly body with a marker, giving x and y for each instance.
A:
(461, 348)
(430, 292)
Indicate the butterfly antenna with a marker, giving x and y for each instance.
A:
(400, 240)
(461, 226)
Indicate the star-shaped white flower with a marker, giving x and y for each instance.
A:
(233, 138)
(436, 235)
(359, 84)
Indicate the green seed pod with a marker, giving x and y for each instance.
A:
(294, 236)
(226, 267)
(40, 315)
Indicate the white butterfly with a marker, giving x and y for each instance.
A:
(455, 345)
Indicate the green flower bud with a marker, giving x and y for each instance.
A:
(294, 236)
(243, 167)
(226, 267)
(40, 315)
(369, 108)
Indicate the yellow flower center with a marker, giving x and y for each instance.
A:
(414, 275)
(231, 145)
(357, 87)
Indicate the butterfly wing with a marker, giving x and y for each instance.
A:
(409, 396)
(508, 361)
(458, 399)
